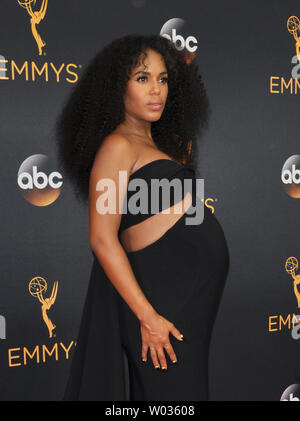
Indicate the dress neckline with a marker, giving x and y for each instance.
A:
(152, 162)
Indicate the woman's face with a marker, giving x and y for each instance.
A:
(147, 86)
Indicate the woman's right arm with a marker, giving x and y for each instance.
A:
(116, 154)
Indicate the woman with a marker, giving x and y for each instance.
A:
(156, 282)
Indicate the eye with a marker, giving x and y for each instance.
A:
(165, 79)
(141, 77)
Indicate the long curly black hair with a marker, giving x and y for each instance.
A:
(95, 107)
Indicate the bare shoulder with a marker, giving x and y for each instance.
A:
(116, 145)
(116, 152)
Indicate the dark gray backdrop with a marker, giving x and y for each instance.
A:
(251, 134)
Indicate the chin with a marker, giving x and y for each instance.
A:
(154, 116)
(152, 119)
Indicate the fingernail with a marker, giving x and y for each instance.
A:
(164, 368)
(143, 360)
(175, 361)
(181, 335)
(157, 366)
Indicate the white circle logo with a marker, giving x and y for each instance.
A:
(290, 176)
(174, 31)
(39, 183)
(291, 393)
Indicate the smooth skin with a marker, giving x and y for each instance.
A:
(128, 148)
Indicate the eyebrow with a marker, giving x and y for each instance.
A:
(148, 73)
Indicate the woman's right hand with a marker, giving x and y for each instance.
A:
(155, 331)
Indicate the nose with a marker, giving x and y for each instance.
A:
(155, 87)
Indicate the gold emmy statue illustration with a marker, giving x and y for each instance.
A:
(291, 265)
(37, 287)
(35, 18)
(293, 26)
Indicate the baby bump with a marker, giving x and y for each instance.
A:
(173, 268)
(211, 244)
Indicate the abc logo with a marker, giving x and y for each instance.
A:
(190, 43)
(39, 184)
(174, 31)
(290, 176)
(291, 393)
(33, 180)
(291, 398)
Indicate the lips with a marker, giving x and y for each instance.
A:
(154, 105)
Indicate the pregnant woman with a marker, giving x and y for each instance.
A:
(156, 280)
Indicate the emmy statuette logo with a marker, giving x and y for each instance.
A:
(35, 18)
(293, 26)
(291, 321)
(281, 84)
(291, 265)
(37, 288)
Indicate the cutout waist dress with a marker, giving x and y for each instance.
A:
(182, 275)
(151, 178)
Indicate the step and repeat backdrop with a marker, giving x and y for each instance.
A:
(248, 52)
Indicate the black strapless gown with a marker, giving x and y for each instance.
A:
(182, 274)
